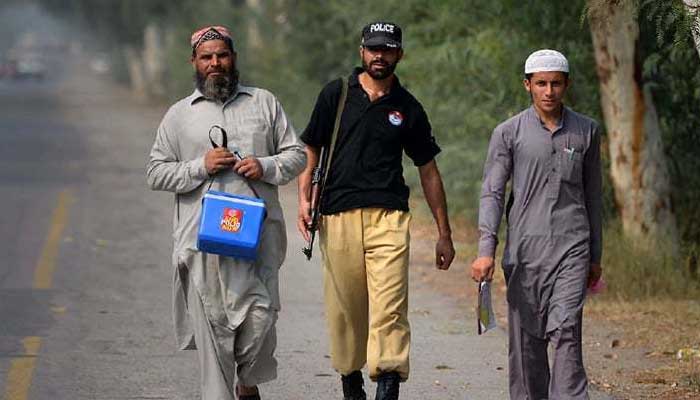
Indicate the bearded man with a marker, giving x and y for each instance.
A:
(365, 218)
(226, 308)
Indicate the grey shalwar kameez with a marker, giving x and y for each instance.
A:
(554, 234)
(224, 307)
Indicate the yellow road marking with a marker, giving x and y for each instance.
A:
(58, 310)
(43, 273)
(19, 379)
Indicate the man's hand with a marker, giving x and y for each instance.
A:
(305, 178)
(304, 219)
(249, 167)
(218, 159)
(482, 269)
(435, 196)
(444, 252)
(594, 274)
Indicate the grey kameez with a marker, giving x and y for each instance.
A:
(554, 234)
(232, 316)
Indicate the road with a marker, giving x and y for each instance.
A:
(85, 273)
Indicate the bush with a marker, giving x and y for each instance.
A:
(634, 272)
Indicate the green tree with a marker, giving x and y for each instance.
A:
(672, 69)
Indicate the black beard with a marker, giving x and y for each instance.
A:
(379, 75)
(217, 87)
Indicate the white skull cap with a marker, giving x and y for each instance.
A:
(546, 61)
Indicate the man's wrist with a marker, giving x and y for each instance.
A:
(486, 254)
(200, 168)
(487, 248)
(267, 165)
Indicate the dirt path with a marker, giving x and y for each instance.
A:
(629, 348)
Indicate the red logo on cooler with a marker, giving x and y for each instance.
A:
(231, 220)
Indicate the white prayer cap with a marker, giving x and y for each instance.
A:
(545, 61)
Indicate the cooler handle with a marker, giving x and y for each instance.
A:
(224, 143)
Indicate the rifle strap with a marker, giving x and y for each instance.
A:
(336, 127)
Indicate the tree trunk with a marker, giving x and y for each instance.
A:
(154, 58)
(255, 41)
(137, 77)
(638, 164)
(693, 8)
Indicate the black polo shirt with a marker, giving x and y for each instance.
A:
(366, 169)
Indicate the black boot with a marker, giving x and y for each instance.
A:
(352, 386)
(388, 386)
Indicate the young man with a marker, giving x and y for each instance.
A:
(553, 246)
(225, 307)
(365, 227)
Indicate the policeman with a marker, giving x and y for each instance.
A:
(364, 231)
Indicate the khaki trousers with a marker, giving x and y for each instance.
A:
(365, 257)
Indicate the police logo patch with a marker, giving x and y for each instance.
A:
(396, 118)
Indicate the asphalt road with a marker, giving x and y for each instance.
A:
(85, 274)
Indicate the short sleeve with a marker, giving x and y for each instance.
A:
(419, 142)
(320, 127)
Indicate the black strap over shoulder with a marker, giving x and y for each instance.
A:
(336, 126)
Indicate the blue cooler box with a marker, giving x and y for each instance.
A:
(231, 225)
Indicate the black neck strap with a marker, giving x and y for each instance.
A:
(224, 144)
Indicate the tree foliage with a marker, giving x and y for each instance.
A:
(672, 68)
(670, 20)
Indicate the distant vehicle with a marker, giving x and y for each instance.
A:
(30, 69)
